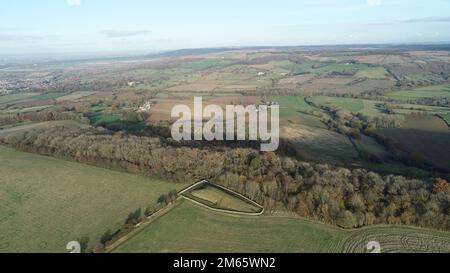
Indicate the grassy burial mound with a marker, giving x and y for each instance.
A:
(221, 199)
(46, 202)
(191, 228)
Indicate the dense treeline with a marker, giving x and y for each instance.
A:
(40, 117)
(329, 194)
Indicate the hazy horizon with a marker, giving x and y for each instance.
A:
(79, 26)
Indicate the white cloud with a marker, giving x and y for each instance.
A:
(373, 3)
(124, 33)
(73, 3)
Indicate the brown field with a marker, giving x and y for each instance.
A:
(235, 100)
(425, 137)
(162, 109)
(102, 96)
(428, 123)
(128, 96)
(245, 86)
(434, 55)
(319, 144)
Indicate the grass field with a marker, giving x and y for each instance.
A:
(15, 97)
(446, 117)
(351, 105)
(97, 118)
(192, 229)
(46, 202)
(46, 96)
(217, 198)
(202, 64)
(419, 93)
(372, 73)
(294, 109)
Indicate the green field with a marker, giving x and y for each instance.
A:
(351, 105)
(97, 118)
(201, 64)
(420, 93)
(189, 228)
(295, 110)
(372, 73)
(446, 117)
(46, 202)
(15, 97)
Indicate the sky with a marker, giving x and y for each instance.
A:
(107, 26)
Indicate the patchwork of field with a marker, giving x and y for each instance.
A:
(189, 228)
(46, 202)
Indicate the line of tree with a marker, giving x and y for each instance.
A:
(11, 119)
(132, 221)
